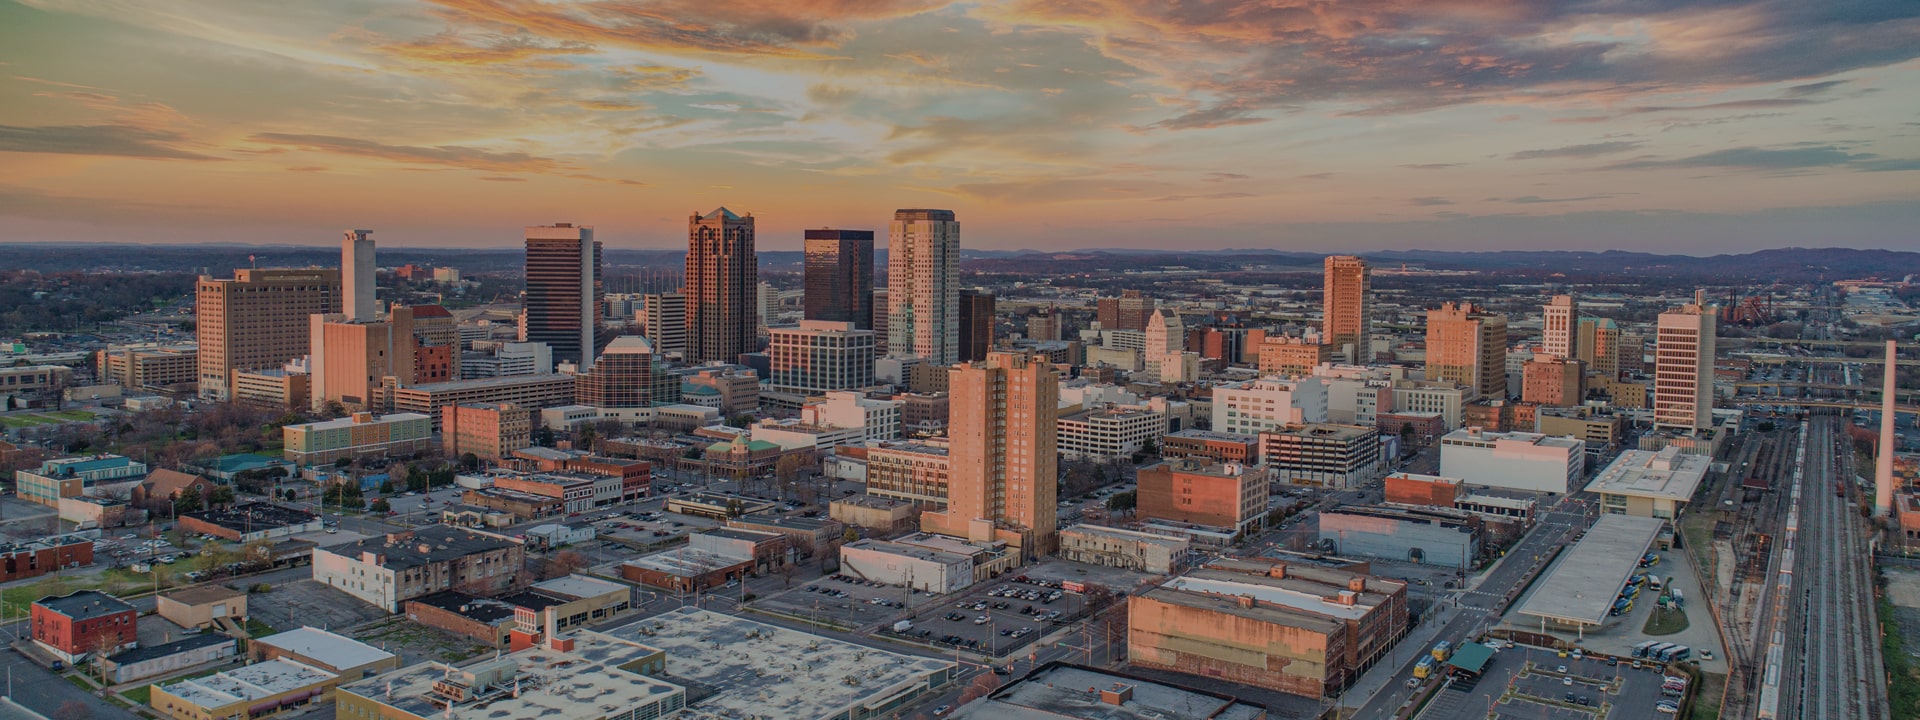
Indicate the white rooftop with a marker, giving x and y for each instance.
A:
(253, 682)
(1583, 585)
(348, 421)
(1271, 594)
(580, 586)
(767, 671)
(326, 648)
(586, 683)
(1667, 474)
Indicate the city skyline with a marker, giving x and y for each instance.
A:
(1458, 126)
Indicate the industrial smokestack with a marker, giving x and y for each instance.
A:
(1883, 465)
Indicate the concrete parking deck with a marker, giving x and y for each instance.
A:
(1582, 586)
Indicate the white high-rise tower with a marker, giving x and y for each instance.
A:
(1683, 366)
(356, 275)
(923, 277)
(1560, 319)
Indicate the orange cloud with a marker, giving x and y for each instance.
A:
(739, 27)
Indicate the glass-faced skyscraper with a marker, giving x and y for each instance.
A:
(563, 306)
(839, 277)
(723, 279)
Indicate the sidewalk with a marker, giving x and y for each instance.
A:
(1387, 671)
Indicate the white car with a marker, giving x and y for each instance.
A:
(982, 620)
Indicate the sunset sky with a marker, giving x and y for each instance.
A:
(1314, 125)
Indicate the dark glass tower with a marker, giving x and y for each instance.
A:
(840, 276)
(563, 304)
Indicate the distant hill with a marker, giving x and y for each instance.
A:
(1782, 265)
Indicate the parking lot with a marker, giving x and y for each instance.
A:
(985, 619)
(846, 604)
(1525, 683)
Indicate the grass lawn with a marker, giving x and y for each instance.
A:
(140, 695)
(1663, 621)
(72, 415)
(15, 601)
(1706, 696)
(23, 421)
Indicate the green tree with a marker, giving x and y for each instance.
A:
(1122, 502)
(188, 500)
(386, 486)
(470, 462)
(289, 495)
(221, 496)
(543, 437)
(342, 463)
(381, 505)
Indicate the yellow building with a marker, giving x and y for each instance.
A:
(255, 691)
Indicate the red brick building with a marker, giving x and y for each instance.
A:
(1427, 426)
(1426, 490)
(77, 625)
(38, 557)
(1216, 446)
(432, 364)
(1231, 497)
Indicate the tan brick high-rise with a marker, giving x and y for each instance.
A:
(1346, 314)
(1003, 454)
(723, 276)
(257, 320)
(1467, 345)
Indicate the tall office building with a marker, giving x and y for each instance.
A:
(723, 283)
(1683, 366)
(1003, 448)
(839, 276)
(1042, 325)
(1346, 312)
(818, 355)
(564, 289)
(1130, 311)
(351, 358)
(1559, 327)
(1467, 345)
(356, 275)
(880, 304)
(923, 272)
(1598, 346)
(1166, 336)
(627, 375)
(976, 325)
(663, 320)
(257, 320)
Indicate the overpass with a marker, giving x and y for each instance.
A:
(1903, 393)
(1913, 410)
(1785, 359)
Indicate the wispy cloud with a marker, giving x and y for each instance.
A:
(1788, 158)
(1577, 151)
(106, 140)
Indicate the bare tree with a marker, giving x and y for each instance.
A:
(564, 563)
(979, 688)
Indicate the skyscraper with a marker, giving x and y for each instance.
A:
(1002, 444)
(663, 320)
(723, 284)
(1467, 345)
(839, 276)
(1346, 312)
(356, 275)
(258, 320)
(1683, 366)
(1166, 336)
(818, 355)
(1559, 319)
(976, 325)
(563, 305)
(923, 273)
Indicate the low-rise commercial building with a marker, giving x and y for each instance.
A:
(1129, 549)
(80, 624)
(88, 512)
(686, 570)
(490, 431)
(1650, 484)
(767, 550)
(254, 691)
(389, 570)
(273, 388)
(809, 536)
(203, 606)
(519, 506)
(144, 662)
(1219, 447)
(556, 535)
(329, 651)
(931, 571)
(487, 621)
(251, 522)
(1515, 460)
(33, 558)
(716, 506)
(73, 476)
(1428, 536)
(873, 512)
(1326, 455)
(605, 678)
(1297, 629)
(357, 436)
(1231, 498)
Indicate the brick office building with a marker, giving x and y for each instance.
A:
(75, 626)
(34, 558)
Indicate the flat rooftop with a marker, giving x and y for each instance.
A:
(425, 546)
(251, 683)
(761, 670)
(1215, 436)
(326, 648)
(185, 644)
(255, 517)
(580, 586)
(583, 684)
(349, 421)
(84, 604)
(909, 447)
(1069, 691)
(1269, 591)
(477, 609)
(1117, 534)
(687, 562)
(203, 594)
(913, 551)
(1668, 474)
(1583, 584)
(492, 382)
